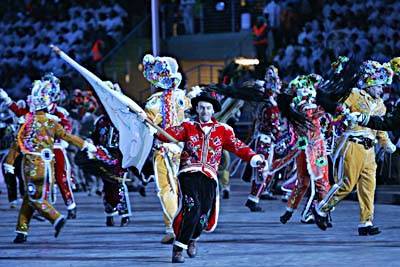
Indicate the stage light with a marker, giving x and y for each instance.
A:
(247, 61)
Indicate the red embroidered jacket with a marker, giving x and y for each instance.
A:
(202, 152)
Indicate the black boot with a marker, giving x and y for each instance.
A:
(192, 248)
(20, 238)
(368, 230)
(267, 196)
(142, 191)
(59, 226)
(177, 256)
(124, 221)
(225, 194)
(286, 216)
(253, 206)
(321, 221)
(71, 214)
(110, 221)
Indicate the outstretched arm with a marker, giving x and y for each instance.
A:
(389, 122)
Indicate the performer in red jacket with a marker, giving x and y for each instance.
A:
(204, 140)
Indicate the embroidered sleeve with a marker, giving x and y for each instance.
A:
(178, 132)
(234, 145)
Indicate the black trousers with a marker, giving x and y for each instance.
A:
(114, 198)
(198, 192)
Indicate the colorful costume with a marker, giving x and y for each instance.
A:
(312, 162)
(115, 192)
(166, 108)
(357, 164)
(62, 165)
(268, 137)
(36, 140)
(198, 182)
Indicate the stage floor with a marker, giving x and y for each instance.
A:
(241, 238)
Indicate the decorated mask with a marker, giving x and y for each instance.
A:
(40, 97)
(162, 72)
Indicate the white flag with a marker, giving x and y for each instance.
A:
(135, 137)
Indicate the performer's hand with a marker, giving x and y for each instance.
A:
(55, 49)
(358, 118)
(4, 96)
(390, 148)
(89, 147)
(257, 161)
(142, 116)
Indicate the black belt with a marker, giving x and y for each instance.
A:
(365, 141)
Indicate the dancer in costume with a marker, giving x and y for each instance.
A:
(312, 162)
(357, 165)
(35, 141)
(267, 134)
(166, 108)
(115, 192)
(230, 111)
(204, 139)
(62, 166)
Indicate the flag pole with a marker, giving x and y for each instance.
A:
(123, 98)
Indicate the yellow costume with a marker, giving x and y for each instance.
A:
(35, 140)
(356, 148)
(166, 109)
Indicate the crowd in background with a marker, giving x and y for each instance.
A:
(86, 30)
(359, 29)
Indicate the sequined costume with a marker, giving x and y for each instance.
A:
(36, 139)
(312, 161)
(62, 164)
(357, 164)
(166, 108)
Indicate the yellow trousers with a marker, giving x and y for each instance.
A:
(360, 171)
(28, 207)
(35, 181)
(223, 170)
(166, 165)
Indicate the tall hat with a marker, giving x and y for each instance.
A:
(162, 72)
(209, 97)
(373, 73)
(54, 90)
(40, 97)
